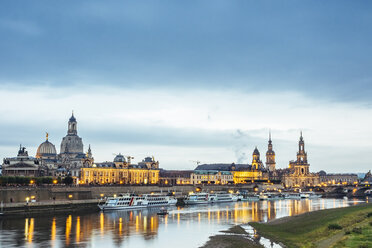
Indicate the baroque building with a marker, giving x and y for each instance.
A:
(72, 156)
(22, 165)
(241, 173)
(121, 171)
(299, 174)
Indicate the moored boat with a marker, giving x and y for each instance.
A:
(309, 194)
(129, 202)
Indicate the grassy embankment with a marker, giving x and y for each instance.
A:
(341, 227)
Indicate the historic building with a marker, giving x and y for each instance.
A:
(47, 155)
(338, 178)
(120, 171)
(211, 177)
(175, 177)
(270, 156)
(299, 174)
(72, 156)
(242, 173)
(22, 165)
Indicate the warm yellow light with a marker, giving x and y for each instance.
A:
(70, 196)
(32, 182)
(32, 197)
(27, 199)
(101, 195)
(191, 192)
(55, 181)
(114, 195)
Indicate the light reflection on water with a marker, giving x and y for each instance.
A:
(183, 227)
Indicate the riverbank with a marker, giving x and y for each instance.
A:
(341, 227)
(235, 237)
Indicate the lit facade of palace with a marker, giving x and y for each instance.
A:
(211, 177)
(121, 172)
(299, 174)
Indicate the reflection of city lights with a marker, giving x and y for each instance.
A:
(26, 228)
(53, 234)
(152, 223)
(68, 229)
(137, 223)
(145, 223)
(78, 229)
(120, 226)
(102, 222)
(31, 231)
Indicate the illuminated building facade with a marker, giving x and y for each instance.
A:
(120, 172)
(241, 173)
(211, 177)
(175, 177)
(299, 174)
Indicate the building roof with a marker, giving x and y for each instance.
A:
(211, 172)
(175, 173)
(224, 167)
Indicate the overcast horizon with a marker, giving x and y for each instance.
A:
(190, 81)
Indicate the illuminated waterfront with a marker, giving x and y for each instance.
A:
(183, 227)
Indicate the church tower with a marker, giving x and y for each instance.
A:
(256, 162)
(301, 166)
(270, 156)
(72, 144)
(301, 154)
(72, 125)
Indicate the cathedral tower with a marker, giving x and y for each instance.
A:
(256, 162)
(270, 156)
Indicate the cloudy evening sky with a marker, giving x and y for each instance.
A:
(190, 80)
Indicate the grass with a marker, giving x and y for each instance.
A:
(312, 229)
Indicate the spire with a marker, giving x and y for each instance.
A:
(270, 135)
(301, 138)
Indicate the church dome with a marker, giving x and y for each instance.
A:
(119, 158)
(46, 149)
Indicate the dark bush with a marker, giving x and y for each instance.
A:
(347, 232)
(369, 214)
(334, 227)
(68, 180)
(357, 230)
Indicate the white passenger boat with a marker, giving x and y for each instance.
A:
(225, 197)
(250, 198)
(127, 201)
(270, 196)
(292, 196)
(198, 198)
(309, 194)
(208, 198)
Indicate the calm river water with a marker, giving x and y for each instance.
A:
(183, 227)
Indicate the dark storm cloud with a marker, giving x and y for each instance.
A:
(321, 48)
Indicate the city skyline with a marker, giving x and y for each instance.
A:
(165, 80)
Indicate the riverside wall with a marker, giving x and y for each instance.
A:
(61, 193)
